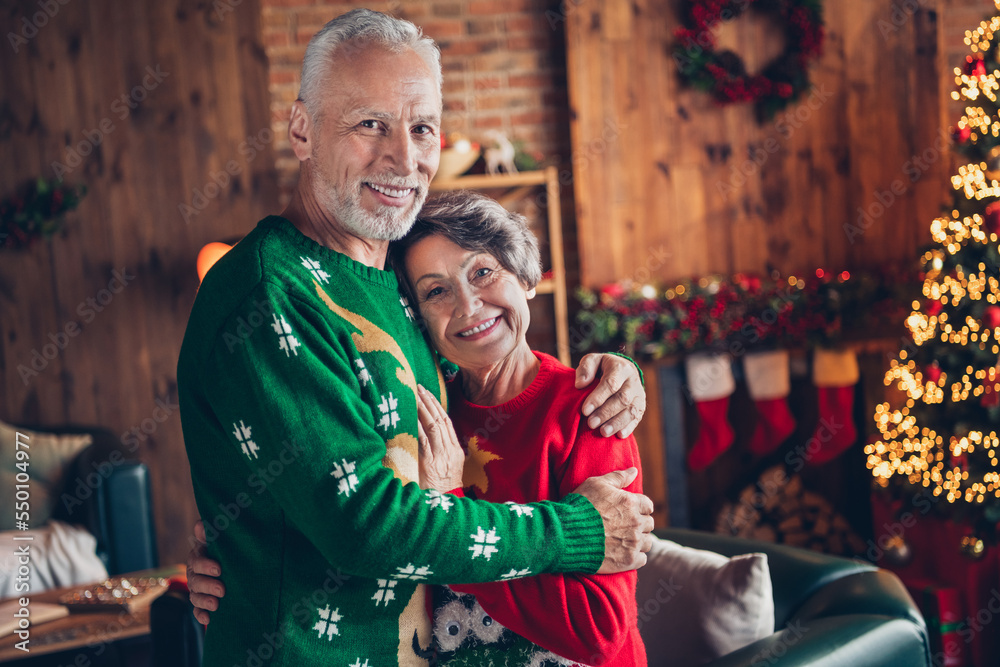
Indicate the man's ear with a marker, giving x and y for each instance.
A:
(530, 293)
(300, 131)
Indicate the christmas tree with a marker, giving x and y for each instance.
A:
(943, 442)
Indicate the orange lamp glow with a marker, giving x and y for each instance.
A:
(209, 255)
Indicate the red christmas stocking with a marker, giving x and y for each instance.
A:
(835, 372)
(710, 380)
(768, 383)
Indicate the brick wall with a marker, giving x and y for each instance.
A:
(503, 61)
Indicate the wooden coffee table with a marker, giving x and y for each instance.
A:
(83, 629)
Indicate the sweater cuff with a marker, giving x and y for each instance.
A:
(458, 493)
(642, 380)
(583, 536)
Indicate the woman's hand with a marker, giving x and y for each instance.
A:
(205, 590)
(441, 457)
(619, 401)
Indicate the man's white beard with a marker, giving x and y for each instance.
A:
(387, 223)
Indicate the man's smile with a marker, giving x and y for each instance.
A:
(391, 192)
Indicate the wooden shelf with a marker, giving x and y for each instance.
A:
(516, 186)
(485, 181)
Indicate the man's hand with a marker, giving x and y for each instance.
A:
(205, 590)
(619, 401)
(626, 516)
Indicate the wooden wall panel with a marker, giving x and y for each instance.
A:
(674, 169)
(121, 367)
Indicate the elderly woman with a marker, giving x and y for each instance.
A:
(515, 436)
(471, 266)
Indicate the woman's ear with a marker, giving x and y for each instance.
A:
(530, 293)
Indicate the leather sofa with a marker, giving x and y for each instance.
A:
(114, 501)
(828, 611)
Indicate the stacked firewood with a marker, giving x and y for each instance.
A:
(778, 509)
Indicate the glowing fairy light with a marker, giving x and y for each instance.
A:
(961, 286)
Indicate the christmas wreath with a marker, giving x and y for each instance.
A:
(723, 74)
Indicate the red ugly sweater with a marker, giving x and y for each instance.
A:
(538, 447)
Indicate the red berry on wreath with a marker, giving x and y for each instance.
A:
(991, 317)
(613, 291)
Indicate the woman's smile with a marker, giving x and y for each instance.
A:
(481, 330)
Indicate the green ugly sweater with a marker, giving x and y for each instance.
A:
(297, 380)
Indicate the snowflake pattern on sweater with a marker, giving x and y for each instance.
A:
(302, 460)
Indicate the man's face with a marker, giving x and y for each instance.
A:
(377, 141)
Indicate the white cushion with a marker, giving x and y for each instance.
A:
(61, 555)
(49, 456)
(696, 606)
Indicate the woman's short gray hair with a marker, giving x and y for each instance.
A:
(475, 223)
(360, 26)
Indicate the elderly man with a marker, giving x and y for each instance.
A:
(302, 431)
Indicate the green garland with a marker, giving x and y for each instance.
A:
(742, 313)
(36, 212)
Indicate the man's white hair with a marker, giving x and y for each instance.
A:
(360, 27)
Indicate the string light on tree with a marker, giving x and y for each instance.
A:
(940, 434)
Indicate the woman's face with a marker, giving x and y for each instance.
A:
(476, 311)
